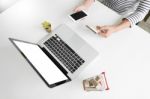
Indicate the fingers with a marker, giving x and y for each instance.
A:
(103, 30)
(80, 8)
(98, 27)
(77, 9)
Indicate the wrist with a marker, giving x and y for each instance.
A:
(85, 6)
(88, 3)
(124, 24)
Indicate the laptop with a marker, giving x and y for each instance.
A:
(59, 57)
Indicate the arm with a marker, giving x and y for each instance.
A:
(140, 13)
(131, 20)
(84, 6)
(88, 3)
(124, 24)
(106, 31)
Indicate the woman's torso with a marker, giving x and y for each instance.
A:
(123, 7)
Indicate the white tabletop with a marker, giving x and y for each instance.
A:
(124, 56)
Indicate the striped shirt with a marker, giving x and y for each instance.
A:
(133, 10)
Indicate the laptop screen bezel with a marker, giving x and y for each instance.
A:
(49, 85)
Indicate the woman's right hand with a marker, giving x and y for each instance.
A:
(84, 6)
(80, 8)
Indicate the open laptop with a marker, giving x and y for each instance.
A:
(58, 57)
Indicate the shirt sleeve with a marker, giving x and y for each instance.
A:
(139, 14)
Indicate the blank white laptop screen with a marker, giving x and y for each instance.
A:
(41, 62)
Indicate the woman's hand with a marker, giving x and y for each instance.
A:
(106, 31)
(80, 8)
(84, 6)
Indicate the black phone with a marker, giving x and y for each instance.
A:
(78, 15)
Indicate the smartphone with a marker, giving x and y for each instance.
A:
(78, 15)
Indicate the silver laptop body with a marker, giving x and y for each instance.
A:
(76, 43)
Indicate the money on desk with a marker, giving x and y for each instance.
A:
(96, 83)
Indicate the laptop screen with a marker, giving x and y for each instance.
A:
(47, 69)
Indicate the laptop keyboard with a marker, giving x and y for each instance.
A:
(64, 53)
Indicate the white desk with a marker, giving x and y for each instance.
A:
(124, 56)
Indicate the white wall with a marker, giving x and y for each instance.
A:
(4, 4)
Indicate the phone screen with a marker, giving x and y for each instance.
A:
(78, 15)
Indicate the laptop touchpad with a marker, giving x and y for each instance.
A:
(76, 42)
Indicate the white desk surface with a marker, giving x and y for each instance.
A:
(124, 56)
